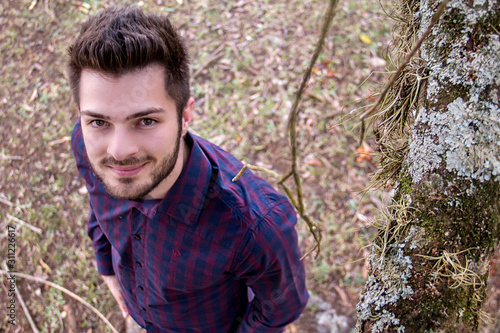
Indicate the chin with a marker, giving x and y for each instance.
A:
(127, 192)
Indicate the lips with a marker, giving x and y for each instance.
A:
(126, 171)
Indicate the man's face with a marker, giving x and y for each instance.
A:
(131, 132)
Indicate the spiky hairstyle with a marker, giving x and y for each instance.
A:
(120, 40)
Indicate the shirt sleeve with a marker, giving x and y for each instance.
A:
(101, 244)
(270, 263)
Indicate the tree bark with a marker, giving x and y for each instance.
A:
(430, 260)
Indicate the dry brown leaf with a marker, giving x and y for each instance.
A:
(330, 73)
(343, 296)
(34, 95)
(364, 154)
(45, 266)
(314, 162)
(33, 4)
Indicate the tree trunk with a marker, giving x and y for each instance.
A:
(430, 260)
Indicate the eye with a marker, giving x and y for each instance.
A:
(98, 123)
(147, 122)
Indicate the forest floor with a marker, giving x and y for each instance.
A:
(248, 58)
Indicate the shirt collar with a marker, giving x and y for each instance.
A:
(185, 200)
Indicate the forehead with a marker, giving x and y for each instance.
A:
(123, 94)
(147, 78)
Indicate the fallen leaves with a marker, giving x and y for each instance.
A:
(33, 96)
(324, 69)
(314, 162)
(45, 266)
(82, 6)
(375, 62)
(365, 39)
(59, 141)
(343, 296)
(32, 5)
(364, 154)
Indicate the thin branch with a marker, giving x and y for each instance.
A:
(255, 168)
(292, 123)
(214, 56)
(26, 312)
(10, 157)
(24, 224)
(330, 13)
(311, 250)
(66, 291)
(298, 203)
(290, 196)
(5, 201)
(25, 308)
(416, 47)
(285, 177)
(59, 141)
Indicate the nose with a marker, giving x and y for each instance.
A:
(122, 144)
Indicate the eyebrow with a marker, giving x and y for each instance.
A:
(132, 116)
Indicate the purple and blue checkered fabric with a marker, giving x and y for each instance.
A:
(185, 263)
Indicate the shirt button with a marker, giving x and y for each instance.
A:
(141, 288)
(137, 237)
(138, 264)
(148, 323)
(143, 309)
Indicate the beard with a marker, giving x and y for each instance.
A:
(128, 188)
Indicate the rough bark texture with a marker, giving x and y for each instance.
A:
(429, 264)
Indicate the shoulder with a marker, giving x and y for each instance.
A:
(250, 197)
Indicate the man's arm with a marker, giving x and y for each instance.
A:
(270, 263)
(114, 287)
(102, 251)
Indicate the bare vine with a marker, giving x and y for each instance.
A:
(298, 201)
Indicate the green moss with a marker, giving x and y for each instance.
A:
(437, 306)
(453, 92)
(450, 21)
(463, 222)
(405, 186)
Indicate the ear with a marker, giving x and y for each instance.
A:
(187, 115)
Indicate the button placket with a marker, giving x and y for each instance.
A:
(139, 221)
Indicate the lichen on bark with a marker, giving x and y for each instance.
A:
(432, 274)
(387, 288)
(467, 128)
(465, 138)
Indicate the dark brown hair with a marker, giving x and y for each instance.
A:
(123, 39)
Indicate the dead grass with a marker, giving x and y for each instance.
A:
(248, 57)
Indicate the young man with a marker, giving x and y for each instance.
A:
(177, 242)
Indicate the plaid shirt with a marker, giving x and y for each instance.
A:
(184, 263)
